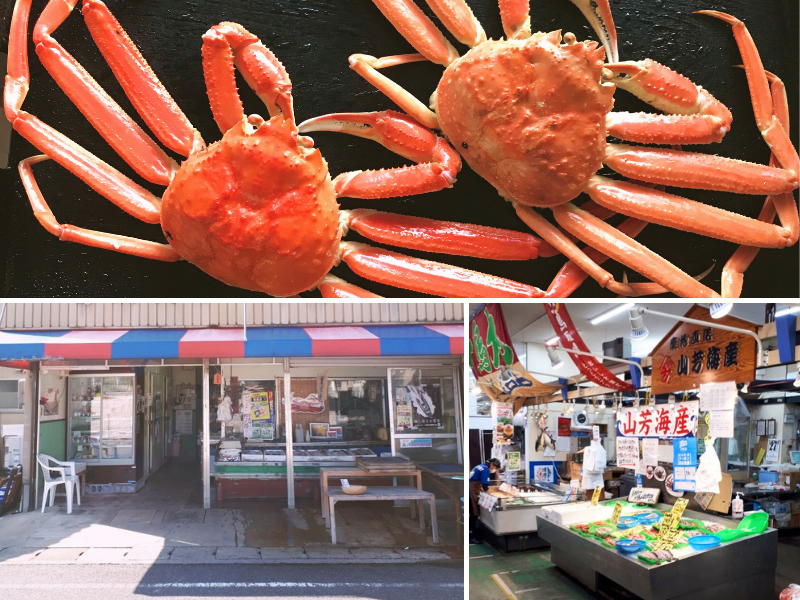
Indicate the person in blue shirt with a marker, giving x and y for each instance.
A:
(479, 480)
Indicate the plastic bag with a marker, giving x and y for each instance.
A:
(709, 472)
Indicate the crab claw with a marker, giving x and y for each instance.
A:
(437, 162)
(598, 13)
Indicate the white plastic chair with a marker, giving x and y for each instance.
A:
(54, 476)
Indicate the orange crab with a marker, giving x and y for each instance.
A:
(530, 114)
(256, 209)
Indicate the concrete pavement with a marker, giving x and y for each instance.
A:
(165, 524)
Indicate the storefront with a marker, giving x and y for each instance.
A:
(262, 408)
(711, 414)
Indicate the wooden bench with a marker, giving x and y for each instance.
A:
(384, 493)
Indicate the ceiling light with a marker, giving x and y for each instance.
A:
(555, 360)
(612, 312)
(792, 310)
(720, 309)
(638, 329)
(553, 340)
(797, 380)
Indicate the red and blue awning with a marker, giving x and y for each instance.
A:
(109, 344)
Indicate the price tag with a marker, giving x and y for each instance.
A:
(596, 494)
(667, 539)
(617, 513)
(345, 483)
(677, 510)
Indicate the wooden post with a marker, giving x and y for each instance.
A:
(206, 436)
(289, 433)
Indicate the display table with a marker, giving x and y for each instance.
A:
(326, 472)
(335, 495)
(739, 570)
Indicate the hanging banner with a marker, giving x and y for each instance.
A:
(495, 364)
(691, 355)
(662, 421)
(591, 368)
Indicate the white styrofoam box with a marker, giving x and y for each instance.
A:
(579, 512)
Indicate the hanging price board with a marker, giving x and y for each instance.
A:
(667, 539)
(617, 513)
(596, 494)
(677, 510)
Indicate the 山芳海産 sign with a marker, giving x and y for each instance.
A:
(659, 421)
(691, 355)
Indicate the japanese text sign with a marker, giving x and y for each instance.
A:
(691, 354)
(642, 495)
(684, 463)
(627, 452)
(571, 339)
(616, 515)
(596, 495)
(718, 396)
(659, 421)
(489, 343)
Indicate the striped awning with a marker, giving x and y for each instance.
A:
(107, 344)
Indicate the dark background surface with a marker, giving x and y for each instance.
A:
(313, 39)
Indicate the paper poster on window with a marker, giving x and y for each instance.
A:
(718, 396)
(513, 461)
(403, 414)
(247, 418)
(417, 443)
(627, 452)
(650, 452)
(504, 422)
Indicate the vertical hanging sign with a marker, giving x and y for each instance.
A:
(571, 339)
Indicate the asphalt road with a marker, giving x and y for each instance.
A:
(100, 582)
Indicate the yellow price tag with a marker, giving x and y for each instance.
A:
(596, 494)
(617, 513)
(677, 510)
(667, 539)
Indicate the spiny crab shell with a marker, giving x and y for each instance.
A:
(529, 116)
(256, 210)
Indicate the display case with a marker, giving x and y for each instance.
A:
(101, 419)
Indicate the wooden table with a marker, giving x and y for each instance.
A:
(355, 473)
(385, 493)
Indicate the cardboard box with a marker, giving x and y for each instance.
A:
(722, 502)
(575, 470)
(790, 478)
(795, 522)
(796, 507)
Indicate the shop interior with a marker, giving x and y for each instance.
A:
(529, 531)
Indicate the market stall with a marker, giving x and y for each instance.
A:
(636, 551)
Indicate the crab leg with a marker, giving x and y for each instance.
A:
(444, 237)
(733, 272)
(229, 44)
(546, 250)
(418, 30)
(367, 66)
(560, 240)
(629, 252)
(768, 123)
(429, 277)
(145, 91)
(687, 215)
(333, 287)
(439, 163)
(516, 18)
(571, 276)
(118, 129)
(699, 171)
(87, 237)
(457, 17)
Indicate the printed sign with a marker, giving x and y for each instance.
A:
(718, 396)
(562, 440)
(416, 443)
(571, 339)
(773, 450)
(684, 463)
(183, 422)
(627, 452)
(504, 423)
(543, 472)
(691, 355)
(513, 461)
(642, 495)
(662, 421)
(403, 413)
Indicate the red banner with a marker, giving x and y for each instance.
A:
(571, 339)
(490, 346)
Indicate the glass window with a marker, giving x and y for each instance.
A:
(12, 394)
(424, 401)
(101, 418)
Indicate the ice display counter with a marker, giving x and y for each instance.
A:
(742, 569)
